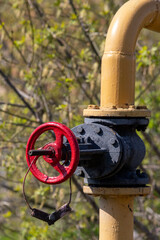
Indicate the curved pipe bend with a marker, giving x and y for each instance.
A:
(118, 62)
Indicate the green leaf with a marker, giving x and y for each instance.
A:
(8, 214)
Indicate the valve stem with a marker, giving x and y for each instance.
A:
(41, 152)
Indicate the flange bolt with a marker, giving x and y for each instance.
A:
(112, 141)
(79, 129)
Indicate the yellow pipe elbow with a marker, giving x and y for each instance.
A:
(118, 62)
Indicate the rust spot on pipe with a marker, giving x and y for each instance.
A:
(130, 209)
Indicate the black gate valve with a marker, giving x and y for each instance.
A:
(109, 152)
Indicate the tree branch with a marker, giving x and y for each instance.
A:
(148, 86)
(87, 197)
(13, 105)
(151, 143)
(85, 30)
(7, 80)
(144, 229)
(18, 116)
(13, 41)
(31, 25)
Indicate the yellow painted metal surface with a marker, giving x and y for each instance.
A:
(117, 112)
(118, 62)
(116, 218)
(116, 210)
(117, 191)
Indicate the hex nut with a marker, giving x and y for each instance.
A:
(93, 107)
(97, 129)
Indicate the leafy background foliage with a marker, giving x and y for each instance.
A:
(50, 58)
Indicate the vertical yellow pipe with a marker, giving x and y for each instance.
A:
(116, 210)
(118, 62)
(116, 218)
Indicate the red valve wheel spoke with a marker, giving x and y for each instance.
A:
(57, 146)
(54, 158)
(61, 169)
(59, 138)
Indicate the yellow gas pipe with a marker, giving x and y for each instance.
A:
(117, 99)
(118, 62)
(116, 210)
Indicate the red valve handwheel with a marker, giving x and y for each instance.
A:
(60, 131)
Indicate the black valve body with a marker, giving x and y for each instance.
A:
(111, 151)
